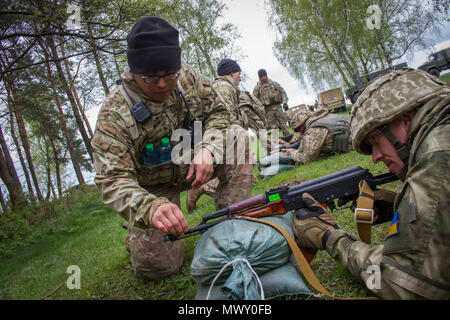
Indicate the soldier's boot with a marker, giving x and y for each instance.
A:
(192, 197)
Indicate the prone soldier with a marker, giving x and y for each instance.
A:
(320, 133)
(403, 120)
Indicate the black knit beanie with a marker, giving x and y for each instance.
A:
(262, 73)
(153, 46)
(227, 66)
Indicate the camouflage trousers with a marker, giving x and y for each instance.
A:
(276, 119)
(153, 258)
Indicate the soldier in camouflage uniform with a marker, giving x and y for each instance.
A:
(320, 133)
(403, 120)
(254, 110)
(153, 99)
(226, 85)
(272, 95)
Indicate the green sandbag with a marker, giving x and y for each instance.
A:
(250, 249)
(275, 158)
(268, 172)
(282, 281)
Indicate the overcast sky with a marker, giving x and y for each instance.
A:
(257, 41)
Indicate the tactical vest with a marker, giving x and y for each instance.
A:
(169, 172)
(338, 127)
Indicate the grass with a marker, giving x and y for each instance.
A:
(446, 77)
(90, 236)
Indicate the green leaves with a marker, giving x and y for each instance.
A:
(327, 43)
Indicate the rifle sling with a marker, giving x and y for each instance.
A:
(304, 266)
(364, 214)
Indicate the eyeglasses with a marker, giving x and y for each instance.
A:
(166, 77)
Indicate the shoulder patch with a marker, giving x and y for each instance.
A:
(393, 230)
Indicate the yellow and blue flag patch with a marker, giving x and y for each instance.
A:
(393, 230)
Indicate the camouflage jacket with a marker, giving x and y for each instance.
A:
(228, 91)
(253, 110)
(270, 93)
(118, 142)
(318, 138)
(415, 258)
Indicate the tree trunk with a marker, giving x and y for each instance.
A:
(338, 46)
(8, 174)
(49, 172)
(9, 85)
(73, 155)
(13, 131)
(97, 61)
(335, 62)
(65, 86)
(57, 160)
(74, 90)
(19, 151)
(2, 201)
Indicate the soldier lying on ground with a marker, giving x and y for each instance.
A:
(322, 133)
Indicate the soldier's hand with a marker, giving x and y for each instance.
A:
(313, 224)
(168, 218)
(202, 167)
(383, 205)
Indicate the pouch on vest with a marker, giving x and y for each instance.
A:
(340, 143)
(138, 109)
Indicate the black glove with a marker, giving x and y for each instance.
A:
(383, 206)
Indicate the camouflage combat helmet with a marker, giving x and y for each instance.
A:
(388, 97)
(300, 117)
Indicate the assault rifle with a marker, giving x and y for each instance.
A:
(341, 185)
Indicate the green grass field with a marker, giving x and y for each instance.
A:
(89, 235)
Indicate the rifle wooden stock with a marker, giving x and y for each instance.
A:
(267, 210)
(247, 203)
